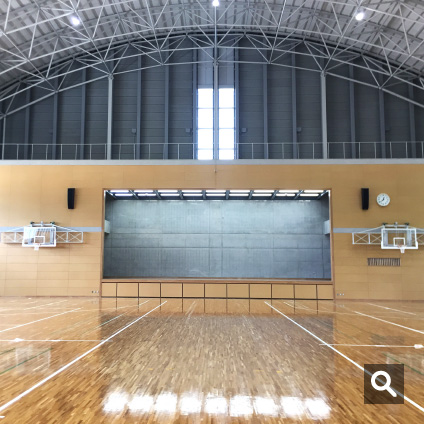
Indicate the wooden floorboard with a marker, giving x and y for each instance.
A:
(161, 361)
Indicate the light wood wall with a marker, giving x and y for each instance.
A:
(38, 193)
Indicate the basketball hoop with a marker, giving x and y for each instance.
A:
(402, 248)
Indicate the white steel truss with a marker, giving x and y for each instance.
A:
(43, 43)
(374, 236)
(63, 235)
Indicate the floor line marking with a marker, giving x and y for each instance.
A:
(106, 322)
(81, 310)
(359, 345)
(389, 322)
(45, 380)
(38, 320)
(392, 309)
(338, 352)
(47, 304)
(46, 340)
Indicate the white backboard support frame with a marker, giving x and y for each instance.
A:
(391, 236)
(59, 235)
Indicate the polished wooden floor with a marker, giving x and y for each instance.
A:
(134, 361)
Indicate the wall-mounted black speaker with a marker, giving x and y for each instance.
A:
(365, 194)
(71, 198)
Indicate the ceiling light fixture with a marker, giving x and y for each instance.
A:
(215, 3)
(75, 21)
(360, 15)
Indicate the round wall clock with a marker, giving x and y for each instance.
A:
(383, 199)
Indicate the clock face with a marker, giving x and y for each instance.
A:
(383, 199)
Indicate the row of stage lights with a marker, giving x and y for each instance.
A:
(216, 193)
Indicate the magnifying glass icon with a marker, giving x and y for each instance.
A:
(386, 385)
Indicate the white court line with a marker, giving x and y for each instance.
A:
(397, 310)
(389, 322)
(34, 307)
(47, 340)
(38, 320)
(358, 345)
(81, 310)
(47, 304)
(340, 353)
(45, 380)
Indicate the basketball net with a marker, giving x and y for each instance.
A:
(36, 246)
(401, 247)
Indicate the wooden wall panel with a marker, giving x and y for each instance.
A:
(325, 292)
(172, 290)
(127, 290)
(305, 292)
(282, 291)
(45, 200)
(260, 291)
(149, 289)
(215, 290)
(193, 290)
(109, 289)
(238, 290)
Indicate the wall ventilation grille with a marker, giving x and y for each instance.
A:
(383, 261)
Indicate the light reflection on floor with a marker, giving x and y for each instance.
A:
(235, 406)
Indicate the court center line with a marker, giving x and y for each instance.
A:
(338, 352)
(389, 322)
(38, 320)
(65, 367)
(386, 307)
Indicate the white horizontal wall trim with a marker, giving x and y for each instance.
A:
(83, 229)
(349, 230)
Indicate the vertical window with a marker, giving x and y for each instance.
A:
(226, 123)
(205, 123)
(205, 127)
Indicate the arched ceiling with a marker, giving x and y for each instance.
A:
(37, 35)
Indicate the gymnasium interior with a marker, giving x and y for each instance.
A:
(211, 211)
